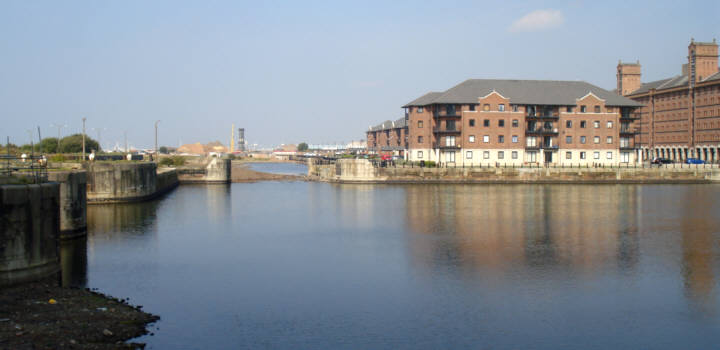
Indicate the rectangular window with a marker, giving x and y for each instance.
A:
(596, 124)
(568, 155)
(582, 140)
(501, 107)
(450, 141)
(596, 139)
(450, 110)
(514, 139)
(419, 155)
(420, 139)
(472, 107)
(501, 138)
(514, 108)
(531, 156)
(624, 142)
(582, 155)
(568, 124)
(569, 109)
(501, 154)
(471, 138)
(450, 157)
(420, 110)
(486, 122)
(486, 138)
(486, 155)
(568, 139)
(531, 141)
(597, 109)
(515, 123)
(420, 124)
(468, 155)
(596, 155)
(501, 123)
(583, 109)
(514, 154)
(609, 139)
(609, 155)
(472, 122)
(625, 157)
(583, 124)
(450, 125)
(609, 124)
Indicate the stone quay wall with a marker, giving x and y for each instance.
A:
(216, 170)
(73, 201)
(363, 171)
(29, 232)
(126, 182)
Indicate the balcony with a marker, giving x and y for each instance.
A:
(542, 116)
(448, 147)
(446, 115)
(627, 131)
(542, 131)
(446, 131)
(627, 148)
(628, 116)
(541, 146)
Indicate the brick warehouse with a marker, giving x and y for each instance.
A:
(483, 121)
(389, 137)
(680, 117)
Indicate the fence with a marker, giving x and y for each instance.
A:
(31, 168)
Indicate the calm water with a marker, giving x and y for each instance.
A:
(316, 265)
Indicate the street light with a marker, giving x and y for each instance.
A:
(156, 134)
(83, 139)
(58, 126)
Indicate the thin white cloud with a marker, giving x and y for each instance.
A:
(538, 20)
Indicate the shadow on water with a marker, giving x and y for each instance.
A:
(73, 262)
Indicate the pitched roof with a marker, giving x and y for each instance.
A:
(388, 125)
(671, 83)
(539, 92)
(424, 100)
(713, 77)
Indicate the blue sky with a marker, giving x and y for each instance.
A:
(314, 71)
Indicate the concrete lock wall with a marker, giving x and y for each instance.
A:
(361, 170)
(73, 201)
(219, 170)
(121, 182)
(29, 232)
(167, 179)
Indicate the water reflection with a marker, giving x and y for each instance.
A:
(73, 262)
(109, 219)
(584, 228)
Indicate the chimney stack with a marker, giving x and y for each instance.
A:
(628, 77)
(702, 60)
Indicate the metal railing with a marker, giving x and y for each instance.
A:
(32, 168)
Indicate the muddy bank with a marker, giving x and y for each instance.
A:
(241, 173)
(41, 315)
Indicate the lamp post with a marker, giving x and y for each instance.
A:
(83, 140)
(156, 137)
(58, 126)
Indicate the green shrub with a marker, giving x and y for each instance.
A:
(57, 158)
(430, 164)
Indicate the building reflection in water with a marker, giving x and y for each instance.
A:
(699, 249)
(498, 228)
(73, 262)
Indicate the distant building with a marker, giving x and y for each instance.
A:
(199, 149)
(680, 117)
(389, 137)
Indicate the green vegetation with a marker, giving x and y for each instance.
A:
(163, 150)
(48, 145)
(302, 147)
(73, 144)
(172, 161)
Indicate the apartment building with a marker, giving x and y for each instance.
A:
(484, 121)
(389, 137)
(680, 117)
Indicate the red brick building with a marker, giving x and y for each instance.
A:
(389, 137)
(680, 117)
(483, 121)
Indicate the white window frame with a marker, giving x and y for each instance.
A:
(468, 155)
(515, 139)
(609, 140)
(514, 154)
(471, 138)
(419, 109)
(624, 157)
(419, 154)
(501, 107)
(596, 139)
(501, 154)
(450, 157)
(568, 155)
(486, 154)
(486, 138)
(596, 155)
(583, 155)
(609, 124)
(609, 155)
(531, 156)
(450, 141)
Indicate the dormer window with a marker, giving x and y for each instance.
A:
(583, 109)
(501, 107)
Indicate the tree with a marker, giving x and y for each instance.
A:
(73, 144)
(302, 147)
(163, 150)
(48, 145)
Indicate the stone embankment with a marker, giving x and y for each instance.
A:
(127, 182)
(29, 232)
(214, 171)
(363, 171)
(73, 201)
